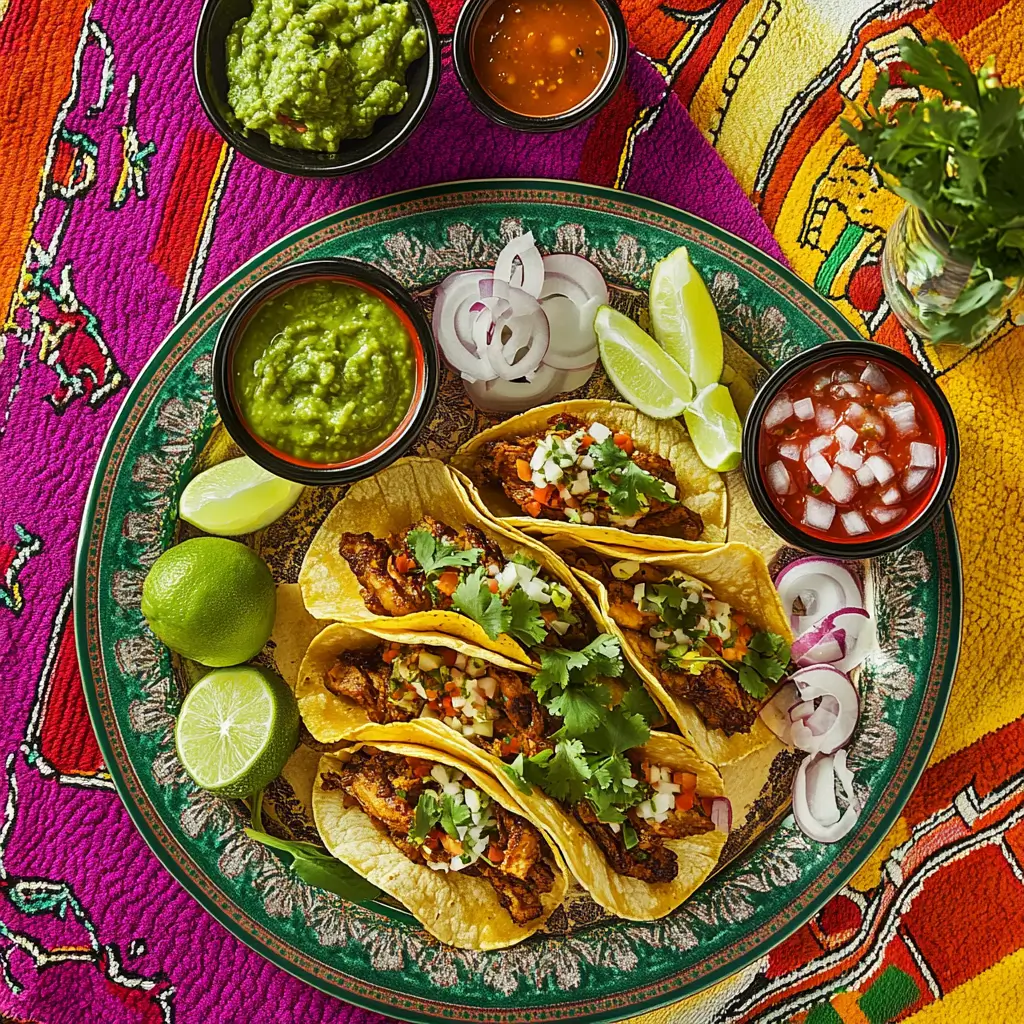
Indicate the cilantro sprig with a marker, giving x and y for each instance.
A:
(764, 663)
(624, 481)
(519, 616)
(433, 556)
(425, 816)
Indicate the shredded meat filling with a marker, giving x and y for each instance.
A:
(650, 860)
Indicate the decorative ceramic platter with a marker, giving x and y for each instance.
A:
(585, 967)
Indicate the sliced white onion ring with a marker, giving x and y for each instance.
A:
(456, 291)
(573, 341)
(815, 810)
(513, 396)
(821, 586)
(580, 270)
(820, 681)
(529, 274)
(858, 628)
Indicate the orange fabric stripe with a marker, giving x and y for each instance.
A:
(38, 39)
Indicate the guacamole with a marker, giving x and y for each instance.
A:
(312, 73)
(324, 371)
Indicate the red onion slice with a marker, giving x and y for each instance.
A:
(820, 681)
(721, 814)
(580, 270)
(821, 644)
(454, 299)
(858, 628)
(529, 273)
(775, 712)
(813, 803)
(821, 586)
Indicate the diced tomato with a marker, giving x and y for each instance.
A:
(549, 615)
(492, 585)
(684, 801)
(512, 744)
(447, 582)
(421, 769)
(494, 854)
(431, 694)
(714, 642)
(449, 657)
(449, 707)
(623, 441)
(533, 508)
(433, 840)
(586, 441)
(523, 470)
(403, 563)
(389, 655)
(739, 618)
(686, 780)
(705, 804)
(543, 494)
(745, 631)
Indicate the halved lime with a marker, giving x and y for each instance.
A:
(645, 375)
(684, 320)
(714, 427)
(236, 497)
(236, 729)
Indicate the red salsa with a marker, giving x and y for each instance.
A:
(850, 450)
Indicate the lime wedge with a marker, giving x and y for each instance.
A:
(642, 371)
(684, 320)
(236, 729)
(236, 497)
(714, 427)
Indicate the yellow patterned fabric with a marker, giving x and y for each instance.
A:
(765, 82)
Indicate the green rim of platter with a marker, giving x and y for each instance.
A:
(382, 961)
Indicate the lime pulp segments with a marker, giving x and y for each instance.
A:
(644, 374)
(236, 729)
(684, 320)
(715, 428)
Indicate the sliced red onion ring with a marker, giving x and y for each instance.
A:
(775, 712)
(815, 809)
(859, 630)
(454, 299)
(819, 645)
(580, 270)
(820, 720)
(529, 274)
(721, 814)
(820, 681)
(821, 586)
(573, 339)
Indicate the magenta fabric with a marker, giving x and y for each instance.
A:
(92, 929)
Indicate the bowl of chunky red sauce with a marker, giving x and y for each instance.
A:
(850, 450)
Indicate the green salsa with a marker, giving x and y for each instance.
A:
(324, 371)
(311, 73)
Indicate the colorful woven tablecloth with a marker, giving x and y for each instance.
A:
(120, 206)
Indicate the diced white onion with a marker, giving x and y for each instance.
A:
(599, 432)
(587, 463)
(819, 514)
(588, 517)
(914, 479)
(791, 452)
(638, 592)
(922, 454)
(885, 515)
(851, 460)
(875, 379)
(779, 478)
(854, 523)
(902, 416)
(439, 774)
(891, 496)
(804, 409)
(854, 413)
(581, 484)
(864, 476)
(851, 390)
(778, 412)
(846, 436)
(841, 486)
(662, 802)
(818, 444)
(818, 466)
(825, 417)
(625, 568)
(881, 468)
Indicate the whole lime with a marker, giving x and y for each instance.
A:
(211, 600)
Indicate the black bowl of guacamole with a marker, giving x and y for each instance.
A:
(304, 118)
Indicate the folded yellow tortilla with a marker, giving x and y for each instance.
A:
(735, 573)
(389, 502)
(457, 909)
(331, 719)
(700, 489)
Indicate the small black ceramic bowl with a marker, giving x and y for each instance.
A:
(281, 463)
(462, 57)
(929, 401)
(209, 67)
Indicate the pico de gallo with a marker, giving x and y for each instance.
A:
(850, 450)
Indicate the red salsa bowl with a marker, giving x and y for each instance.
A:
(850, 450)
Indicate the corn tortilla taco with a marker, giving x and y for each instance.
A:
(443, 838)
(631, 811)
(601, 470)
(705, 630)
(408, 550)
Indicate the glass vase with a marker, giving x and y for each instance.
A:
(936, 293)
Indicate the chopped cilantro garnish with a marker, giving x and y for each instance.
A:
(425, 817)
(453, 815)
(764, 663)
(473, 597)
(433, 556)
(623, 480)
(815, 488)
(525, 621)
(629, 836)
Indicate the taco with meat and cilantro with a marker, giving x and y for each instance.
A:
(600, 470)
(704, 629)
(407, 549)
(638, 815)
(443, 838)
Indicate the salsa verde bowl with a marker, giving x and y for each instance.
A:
(426, 371)
(882, 482)
(209, 65)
